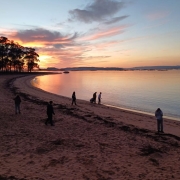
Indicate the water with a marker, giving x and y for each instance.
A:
(136, 90)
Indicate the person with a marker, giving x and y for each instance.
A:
(74, 98)
(91, 100)
(17, 101)
(159, 117)
(94, 97)
(99, 98)
(50, 112)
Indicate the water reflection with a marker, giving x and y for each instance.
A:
(139, 90)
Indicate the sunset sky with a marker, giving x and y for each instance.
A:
(99, 33)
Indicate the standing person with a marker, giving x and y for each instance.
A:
(74, 98)
(17, 101)
(99, 98)
(50, 112)
(94, 97)
(159, 117)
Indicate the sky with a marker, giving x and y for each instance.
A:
(95, 33)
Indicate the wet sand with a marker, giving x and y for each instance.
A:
(88, 141)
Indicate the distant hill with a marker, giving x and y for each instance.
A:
(155, 68)
(111, 68)
(92, 69)
(52, 69)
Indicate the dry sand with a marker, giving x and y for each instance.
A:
(88, 141)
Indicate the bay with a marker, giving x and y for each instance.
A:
(142, 91)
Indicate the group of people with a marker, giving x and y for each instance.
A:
(93, 99)
(50, 110)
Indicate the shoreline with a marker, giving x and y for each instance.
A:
(142, 112)
(67, 100)
(119, 107)
(88, 141)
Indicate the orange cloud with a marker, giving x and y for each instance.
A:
(105, 45)
(106, 33)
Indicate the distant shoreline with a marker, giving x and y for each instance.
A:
(142, 112)
(142, 68)
(28, 73)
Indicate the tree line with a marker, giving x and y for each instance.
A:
(15, 57)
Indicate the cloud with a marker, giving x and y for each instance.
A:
(61, 57)
(106, 45)
(7, 32)
(59, 49)
(58, 46)
(96, 57)
(157, 15)
(52, 46)
(106, 33)
(90, 60)
(115, 20)
(98, 11)
(43, 35)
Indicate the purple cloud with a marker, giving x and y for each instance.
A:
(115, 20)
(98, 11)
(43, 35)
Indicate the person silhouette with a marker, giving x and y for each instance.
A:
(94, 97)
(74, 98)
(159, 117)
(50, 112)
(99, 98)
(17, 101)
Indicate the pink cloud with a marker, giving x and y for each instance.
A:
(157, 15)
(105, 45)
(7, 32)
(106, 33)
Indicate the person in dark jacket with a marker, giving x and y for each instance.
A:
(94, 97)
(50, 112)
(74, 98)
(159, 117)
(17, 101)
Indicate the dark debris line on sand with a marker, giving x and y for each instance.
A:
(10, 178)
(169, 139)
(164, 138)
(26, 97)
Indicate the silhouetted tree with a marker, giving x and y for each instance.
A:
(4, 44)
(14, 55)
(31, 58)
(17, 54)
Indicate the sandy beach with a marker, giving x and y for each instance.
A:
(88, 141)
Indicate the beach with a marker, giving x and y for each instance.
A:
(88, 141)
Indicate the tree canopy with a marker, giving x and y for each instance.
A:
(14, 57)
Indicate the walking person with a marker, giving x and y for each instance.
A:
(50, 112)
(17, 101)
(99, 98)
(74, 98)
(159, 117)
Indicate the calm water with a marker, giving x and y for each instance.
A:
(137, 90)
